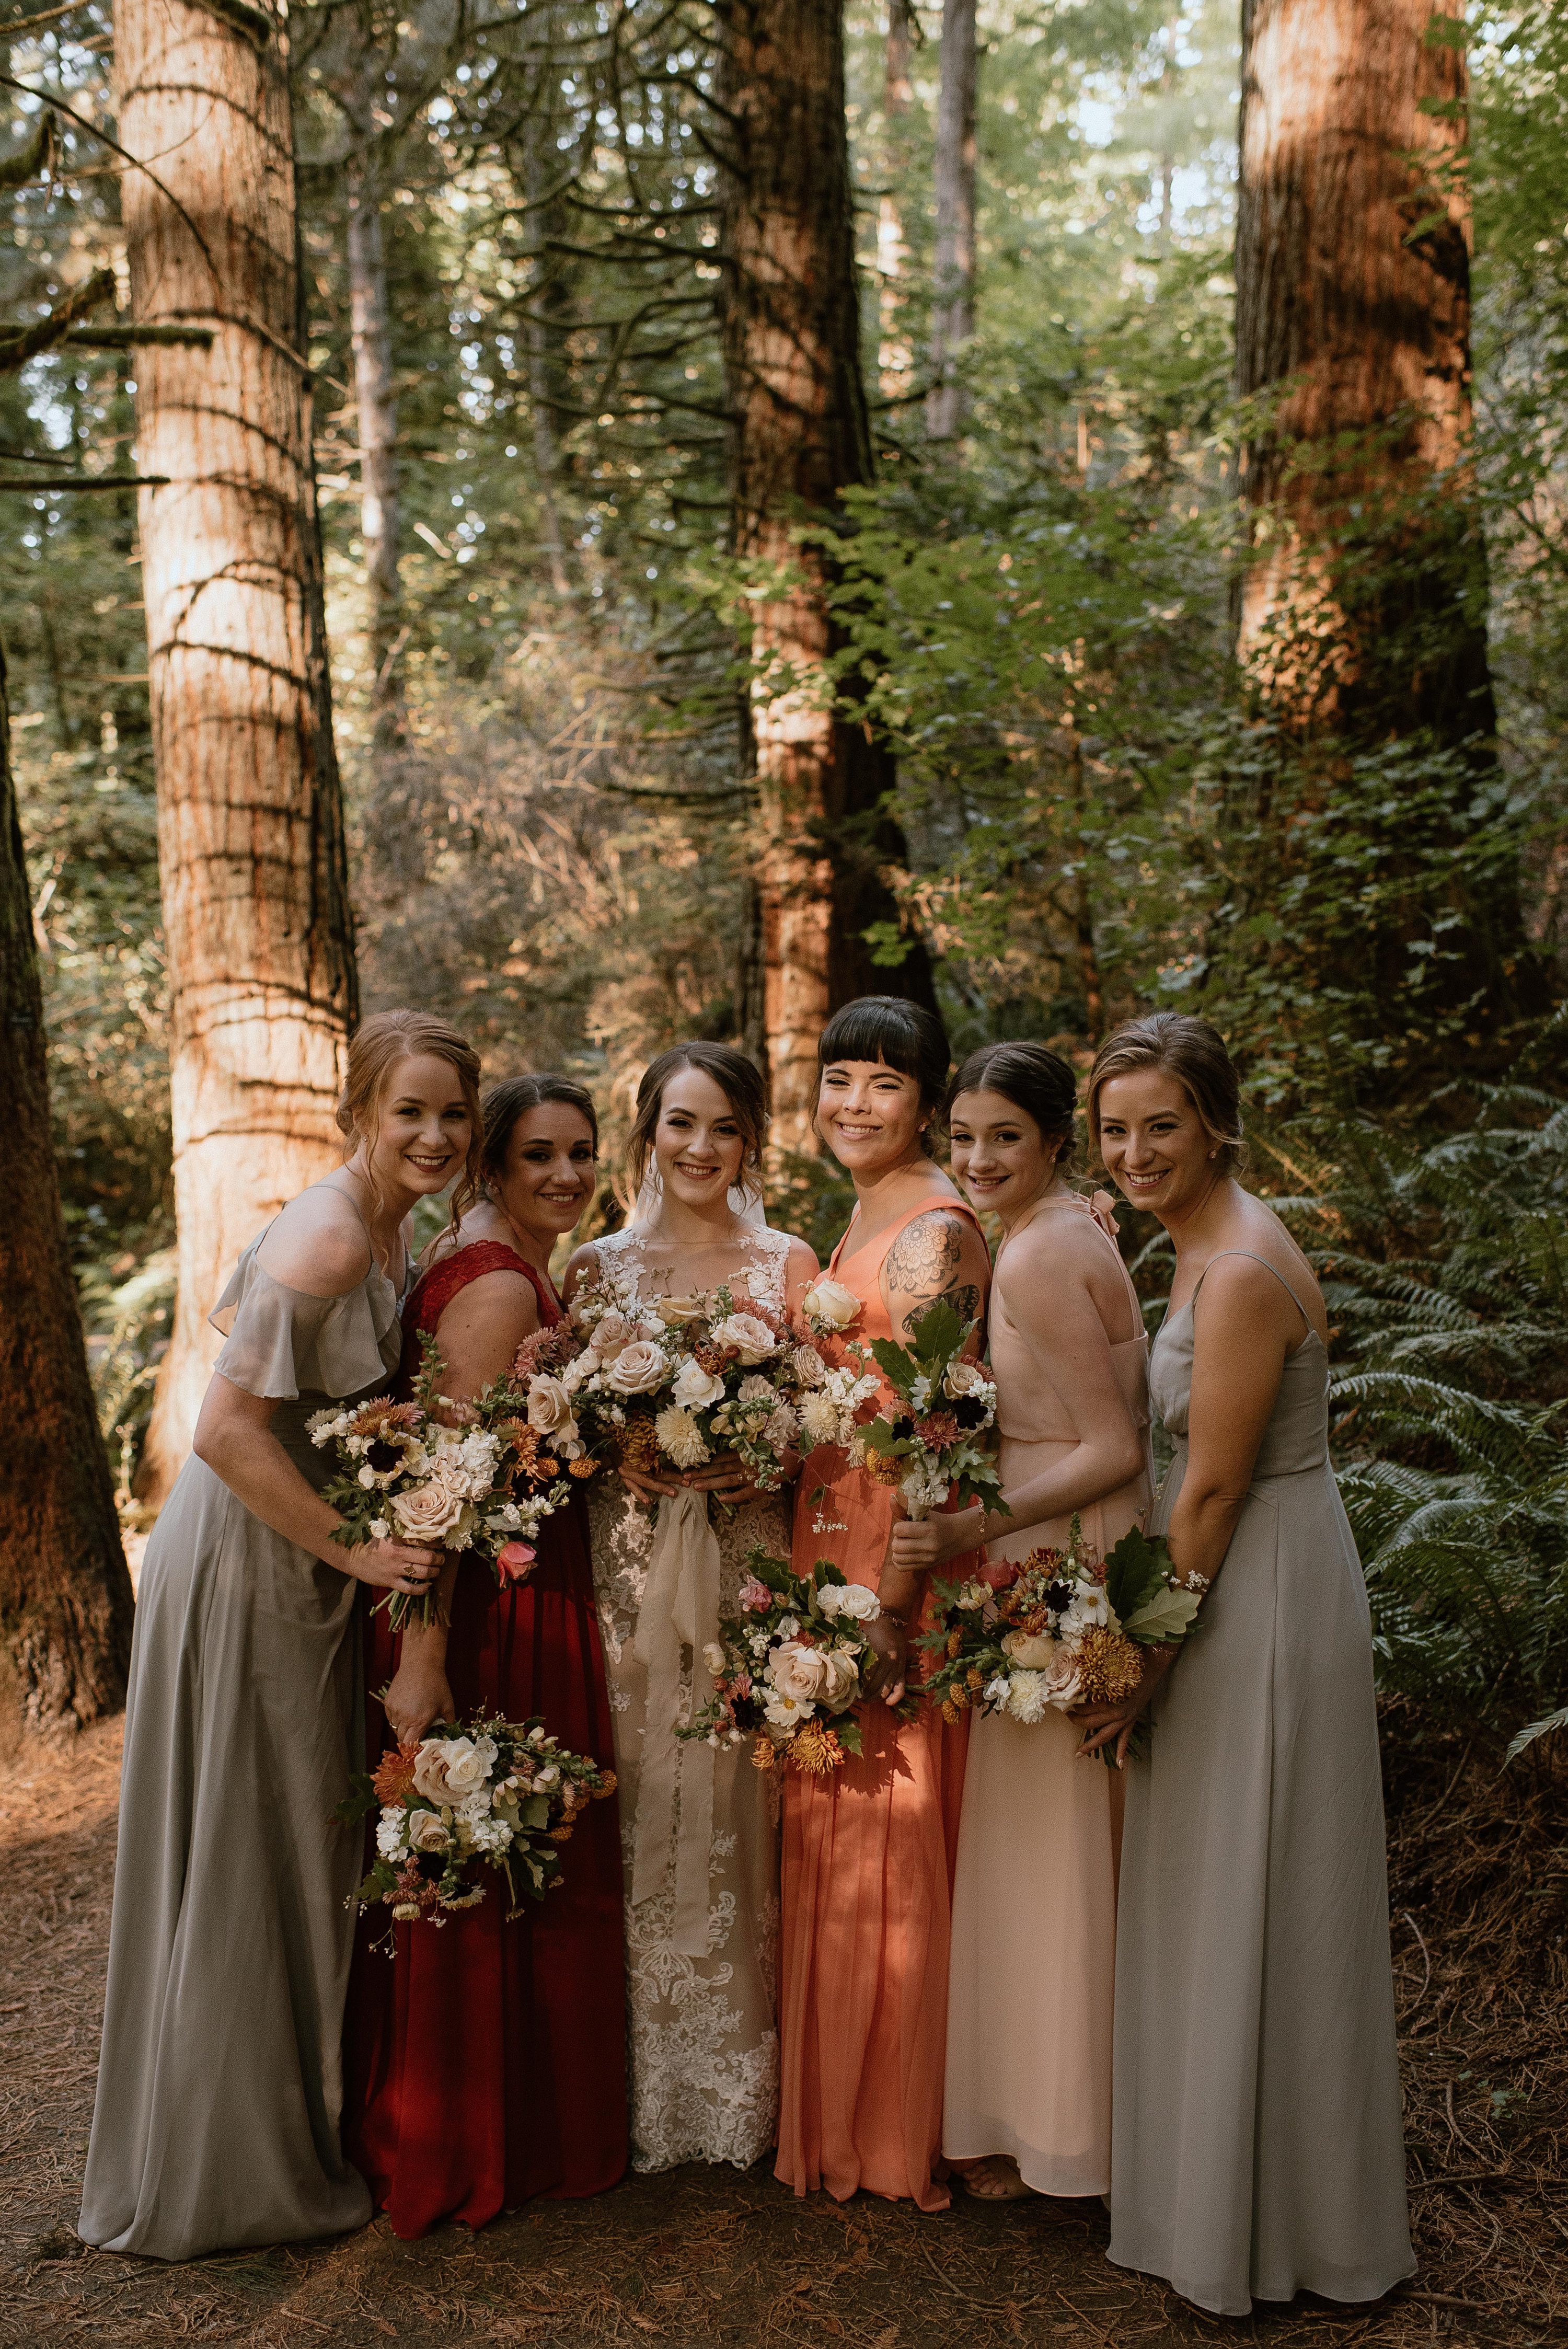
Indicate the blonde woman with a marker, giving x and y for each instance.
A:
(220, 2085)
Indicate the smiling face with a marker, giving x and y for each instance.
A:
(1159, 1153)
(870, 1116)
(699, 1148)
(547, 1181)
(999, 1155)
(423, 1128)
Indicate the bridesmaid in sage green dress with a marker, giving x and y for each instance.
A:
(1256, 2143)
(220, 2084)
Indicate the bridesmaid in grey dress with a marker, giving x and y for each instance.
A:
(1256, 2143)
(220, 2085)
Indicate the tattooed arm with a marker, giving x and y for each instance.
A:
(939, 1255)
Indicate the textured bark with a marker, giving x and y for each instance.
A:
(376, 397)
(953, 305)
(895, 359)
(1353, 291)
(250, 849)
(65, 1595)
(799, 438)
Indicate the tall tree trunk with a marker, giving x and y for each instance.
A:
(895, 359)
(1353, 286)
(953, 307)
(65, 1595)
(376, 397)
(799, 438)
(250, 818)
(545, 334)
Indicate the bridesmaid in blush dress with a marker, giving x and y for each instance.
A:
(220, 2085)
(1256, 2139)
(487, 2060)
(1034, 1902)
(868, 1849)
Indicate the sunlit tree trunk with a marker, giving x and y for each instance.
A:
(251, 848)
(1353, 294)
(376, 400)
(65, 1595)
(799, 438)
(894, 358)
(952, 292)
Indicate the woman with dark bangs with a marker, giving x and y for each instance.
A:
(869, 1848)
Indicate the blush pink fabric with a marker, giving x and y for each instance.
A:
(867, 1859)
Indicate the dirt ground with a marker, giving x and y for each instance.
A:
(702, 2256)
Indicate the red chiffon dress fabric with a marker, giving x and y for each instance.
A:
(486, 2062)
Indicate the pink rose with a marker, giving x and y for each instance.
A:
(515, 1561)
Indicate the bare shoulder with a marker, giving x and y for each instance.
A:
(582, 1267)
(800, 1265)
(317, 1245)
(495, 1299)
(1268, 1284)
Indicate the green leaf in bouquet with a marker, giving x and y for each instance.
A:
(878, 1436)
(896, 1363)
(1167, 1615)
(356, 1805)
(939, 1333)
(827, 1573)
(776, 1572)
(1134, 1571)
(535, 1812)
(847, 1730)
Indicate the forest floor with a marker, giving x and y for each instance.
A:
(702, 2256)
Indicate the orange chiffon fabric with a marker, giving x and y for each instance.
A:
(868, 1859)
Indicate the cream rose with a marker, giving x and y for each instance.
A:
(450, 1769)
(426, 1832)
(612, 1333)
(549, 1406)
(808, 1365)
(829, 1305)
(840, 1679)
(753, 1341)
(964, 1378)
(429, 1512)
(697, 1389)
(850, 1598)
(1032, 1649)
(798, 1672)
(638, 1369)
(674, 1312)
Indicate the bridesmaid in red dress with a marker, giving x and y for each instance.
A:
(869, 1850)
(486, 2061)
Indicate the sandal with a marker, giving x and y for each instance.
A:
(992, 2178)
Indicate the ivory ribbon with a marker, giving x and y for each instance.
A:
(679, 1610)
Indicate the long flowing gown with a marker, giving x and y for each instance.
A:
(867, 1873)
(220, 2085)
(486, 2061)
(1034, 1899)
(701, 1882)
(1257, 2147)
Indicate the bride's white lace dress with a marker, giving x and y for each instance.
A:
(703, 2037)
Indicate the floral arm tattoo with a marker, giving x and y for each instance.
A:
(924, 1262)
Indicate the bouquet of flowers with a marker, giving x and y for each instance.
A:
(787, 1667)
(926, 1439)
(492, 1794)
(1061, 1628)
(484, 1483)
(677, 1384)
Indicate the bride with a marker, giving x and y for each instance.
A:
(698, 1828)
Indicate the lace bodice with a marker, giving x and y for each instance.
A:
(759, 1263)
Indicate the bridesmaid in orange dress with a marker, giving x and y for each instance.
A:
(1034, 1901)
(868, 1851)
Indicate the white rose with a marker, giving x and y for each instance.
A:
(450, 1769)
(829, 1305)
(429, 1512)
(426, 1832)
(851, 1599)
(1032, 1649)
(639, 1368)
(753, 1341)
(549, 1405)
(713, 1659)
(964, 1379)
(800, 1672)
(840, 1679)
(674, 1312)
(808, 1365)
(697, 1389)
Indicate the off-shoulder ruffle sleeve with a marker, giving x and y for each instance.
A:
(282, 1343)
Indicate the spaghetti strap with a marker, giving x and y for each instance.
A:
(1267, 1267)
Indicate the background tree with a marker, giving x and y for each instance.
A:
(952, 309)
(250, 844)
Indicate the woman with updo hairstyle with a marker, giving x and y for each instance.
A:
(669, 1555)
(1034, 1891)
(868, 1846)
(220, 2085)
(487, 2063)
(1256, 2141)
